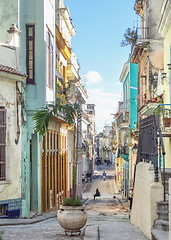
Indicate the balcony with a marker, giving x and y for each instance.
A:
(60, 86)
(148, 106)
(141, 42)
(123, 121)
(142, 35)
(124, 152)
(73, 69)
(163, 116)
(62, 45)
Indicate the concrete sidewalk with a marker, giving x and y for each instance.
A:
(113, 231)
(98, 227)
(25, 221)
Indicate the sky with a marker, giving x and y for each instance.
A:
(100, 26)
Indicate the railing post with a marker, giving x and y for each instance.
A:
(163, 153)
(155, 145)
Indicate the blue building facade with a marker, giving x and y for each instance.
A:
(129, 79)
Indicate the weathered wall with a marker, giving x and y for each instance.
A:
(11, 188)
(8, 15)
(146, 194)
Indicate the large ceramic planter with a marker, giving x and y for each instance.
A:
(71, 218)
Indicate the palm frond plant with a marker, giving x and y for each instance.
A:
(44, 116)
(71, 114)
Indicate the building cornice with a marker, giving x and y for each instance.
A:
(124, 72)
(165, 20)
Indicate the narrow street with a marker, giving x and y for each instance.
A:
(108, 218)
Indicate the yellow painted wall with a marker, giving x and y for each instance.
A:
(167, 43)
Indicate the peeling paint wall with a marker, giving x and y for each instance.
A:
(11, 188)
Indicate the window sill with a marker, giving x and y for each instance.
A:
(3, 182)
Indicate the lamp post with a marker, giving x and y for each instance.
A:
(135, 149)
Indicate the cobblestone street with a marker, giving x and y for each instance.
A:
(108, 218)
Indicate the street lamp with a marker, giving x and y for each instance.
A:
(135, 149)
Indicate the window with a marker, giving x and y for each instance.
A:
(2, 143)
(30, 53)
(50, 60)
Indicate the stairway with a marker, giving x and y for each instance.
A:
(160, 230)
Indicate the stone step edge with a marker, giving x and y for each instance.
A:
(163, 203)
(166, 212)
(162, 222)
(159, 234)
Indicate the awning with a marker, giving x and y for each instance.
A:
(60, 78)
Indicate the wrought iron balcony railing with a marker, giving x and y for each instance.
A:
(141, 36)
(123, 118)
(163, 116)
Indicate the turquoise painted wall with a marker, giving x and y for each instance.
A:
(133, 95)
(130, 90)
(33, 12)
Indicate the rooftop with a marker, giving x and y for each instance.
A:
(11, 70)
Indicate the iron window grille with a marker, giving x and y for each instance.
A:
(30, 53)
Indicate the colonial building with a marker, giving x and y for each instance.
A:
(11, 118)
(127, 121)
(52, 71)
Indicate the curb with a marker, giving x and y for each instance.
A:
(10, 222)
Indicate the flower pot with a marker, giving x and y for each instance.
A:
(72, 218)
(167, 122)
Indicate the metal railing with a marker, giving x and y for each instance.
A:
(142, 33)
(151, 146)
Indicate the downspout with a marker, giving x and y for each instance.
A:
(17, 104)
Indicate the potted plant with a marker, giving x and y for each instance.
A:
(161, 110)
(72, 215)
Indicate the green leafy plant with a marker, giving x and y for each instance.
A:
(130, 37)
(159, 110)
(72, 202)
(44, 116)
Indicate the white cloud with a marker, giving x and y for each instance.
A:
(105, 104)
(101, 94)
(91, 77)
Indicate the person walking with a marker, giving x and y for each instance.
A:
(104, 176)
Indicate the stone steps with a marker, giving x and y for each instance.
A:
(160, 230)
(163, 215)
(162, 225)
(159, 235)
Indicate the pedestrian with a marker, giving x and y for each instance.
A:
(97, 194)
(104, 176)
(130, 198)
